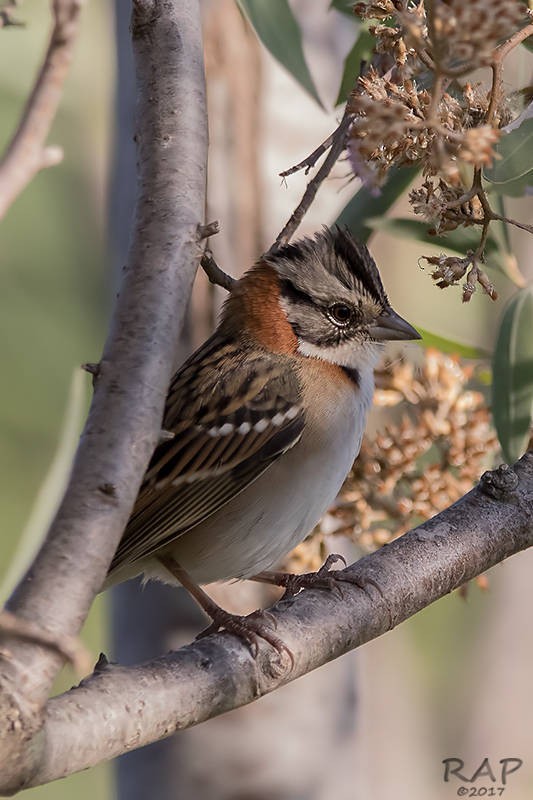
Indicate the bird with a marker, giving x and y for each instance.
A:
(262, 425)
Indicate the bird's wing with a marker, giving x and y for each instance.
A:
(232, 413)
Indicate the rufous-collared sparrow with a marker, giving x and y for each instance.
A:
(266, 419)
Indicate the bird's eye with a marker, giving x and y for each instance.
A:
(340, 314)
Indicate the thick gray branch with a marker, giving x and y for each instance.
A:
(125, 416)
(121, 708)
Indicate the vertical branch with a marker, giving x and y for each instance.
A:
(133, 375)
(27, 152)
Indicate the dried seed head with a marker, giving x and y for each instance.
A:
(476, 146)
(380, 9)
(416, 466)
(469, 32)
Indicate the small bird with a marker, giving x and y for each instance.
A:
(262, 424)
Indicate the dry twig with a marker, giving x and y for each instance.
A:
(337, 143)
(27, 152)
(215, 274)
(310, 160)
(7, 20)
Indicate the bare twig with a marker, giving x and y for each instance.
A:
(497, 67)
(522, 225)
(6, 16)
(121, 708)
(27, 152)
(205, 231)
(214, 273)
(337, 146)
(311, 159)
(69, 647)
(125, 418)
(208, 263)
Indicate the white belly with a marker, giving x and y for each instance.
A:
(256, 529)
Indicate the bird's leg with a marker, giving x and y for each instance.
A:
(324, 578)
(250, 628)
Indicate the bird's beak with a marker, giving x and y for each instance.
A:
(389, 326)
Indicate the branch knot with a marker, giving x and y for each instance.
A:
(500, 483)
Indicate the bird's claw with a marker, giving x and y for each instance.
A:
(251, 629)
(326, 578)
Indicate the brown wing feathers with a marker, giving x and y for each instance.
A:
(232, 412)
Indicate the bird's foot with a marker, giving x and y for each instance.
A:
(251, 629)
(324, 578)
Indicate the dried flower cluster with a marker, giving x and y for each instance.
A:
(468, 32)
(414, 106)
(449, 270)
(417, 466)
(395, 125)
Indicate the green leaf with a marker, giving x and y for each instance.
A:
(450, 346)
(499, 231)
(344, 6)
(459, 241)
(52, 488)
(278, 29)
(512, 172)
(517, 187)
(512, 375)
(364, 206)
(361, 51)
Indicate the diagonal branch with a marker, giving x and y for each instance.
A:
(119, 708)
(336, 143)
(27, 152)
(132, 379)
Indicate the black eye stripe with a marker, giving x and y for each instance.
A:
(294, 294)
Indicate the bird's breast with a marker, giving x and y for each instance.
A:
(259, 526)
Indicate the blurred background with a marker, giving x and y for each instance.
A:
(376, 724)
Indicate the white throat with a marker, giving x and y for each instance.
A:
(363, 356)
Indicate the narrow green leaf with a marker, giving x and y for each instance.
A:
(446, 345)
(344, 6)
(459, 241)
(512, 172)
(52, 487)
(278, 29)
(361, 51)
(364, 206)
(499, 231)
(512, 375)
(516, 187)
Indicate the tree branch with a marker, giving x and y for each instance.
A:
(215, 274)
(70, 647)
(125, 416)
(27, 153)
(119, 708)
(337, 141)
(6, 15)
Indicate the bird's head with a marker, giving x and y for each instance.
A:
(334, 300)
